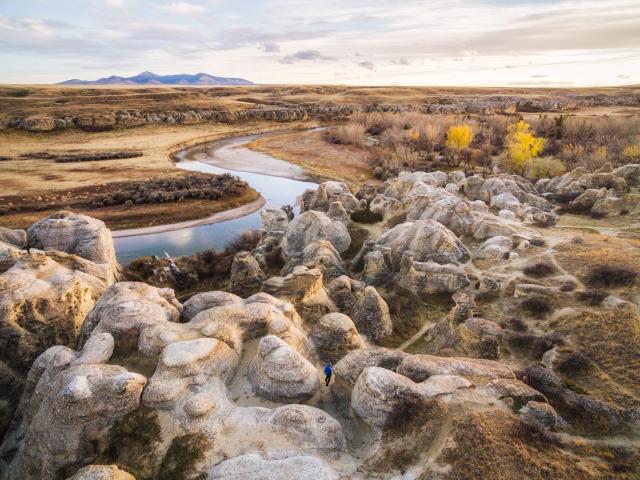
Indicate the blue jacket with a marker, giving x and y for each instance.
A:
(327, 369)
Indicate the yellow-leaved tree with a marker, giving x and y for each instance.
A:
(522, 146)
(459, 136)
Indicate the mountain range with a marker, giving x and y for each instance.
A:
(149, 78)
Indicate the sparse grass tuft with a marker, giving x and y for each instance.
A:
(540, 268)
(592, 297)
(182, 456)
(573, 362)
(537, 306)
(611, 276)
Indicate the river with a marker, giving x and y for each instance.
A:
(279, 182)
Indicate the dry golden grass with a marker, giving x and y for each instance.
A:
(610, 338)
(491, 445)
(320, 158)
(595, 249)
(157, 143)
(58, 100)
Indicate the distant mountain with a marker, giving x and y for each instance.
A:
(149, 78)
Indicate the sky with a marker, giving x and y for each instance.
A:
(399, 42)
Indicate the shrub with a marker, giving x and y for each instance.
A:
(611, 276)
(546, 167)
(538, 242)
(537, 306)
(366, 216)
(183, 454)
(592, 297)
(349, 134)
(539, 269)
(573, 362)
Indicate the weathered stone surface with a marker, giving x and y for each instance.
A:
(101, 472)
(274, 219)
(427, 239)
(487, 228)
(80, 235)
(381, 397)
(494, 247)
(448, 210)
(430, 277)
(505, 201)
(334, 336)
(44, 299)
(279, 373)
(543, 414)
(442, 385)
(17, 238)
(371, 316)
(206, 300)
(520, 392)
(246, 276)
(255, 467)
(328, 192)
(343, 291)
(304, 288)
(420, 367)
(349, 368)
(319, 254)
(70, 406)
(311, 226)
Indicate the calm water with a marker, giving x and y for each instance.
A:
(277, 190)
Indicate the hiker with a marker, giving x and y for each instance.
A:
(328, 371)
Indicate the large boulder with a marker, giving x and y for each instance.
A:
(383, 398)
(246, 276)
(494, 248)
(420, 367)
(65, 411)
(319, 254)
(206, 300)
(427, 239)
(44, 300)
(279, 373)
(311, 226)
(17, 238)
(371, 315)
(349, 368)
(80, 235)
(334, 336)
(430, 278)
(448, 210)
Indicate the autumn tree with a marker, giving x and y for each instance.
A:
(522, 146)
(459, 136)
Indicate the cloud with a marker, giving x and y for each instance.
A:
(270, 47)
(623, 77)
(400, 61)
(367, 65)
(539, 76)
(184, 7)
(302, 55)
(119, 3)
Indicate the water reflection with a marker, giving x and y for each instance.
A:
(277, 190)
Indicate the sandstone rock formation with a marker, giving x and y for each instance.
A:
(370, 315)
(313, 225)
(334, 336)
(279, 373)
(246, 276)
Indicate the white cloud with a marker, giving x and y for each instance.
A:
(119, 3)
(184, 7)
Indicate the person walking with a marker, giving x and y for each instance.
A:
(328, 371)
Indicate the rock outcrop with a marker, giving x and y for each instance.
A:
(313, 225)
(370, 315)
(334, 336)
(279, 373)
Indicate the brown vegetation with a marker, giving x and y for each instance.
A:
(495, 444)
